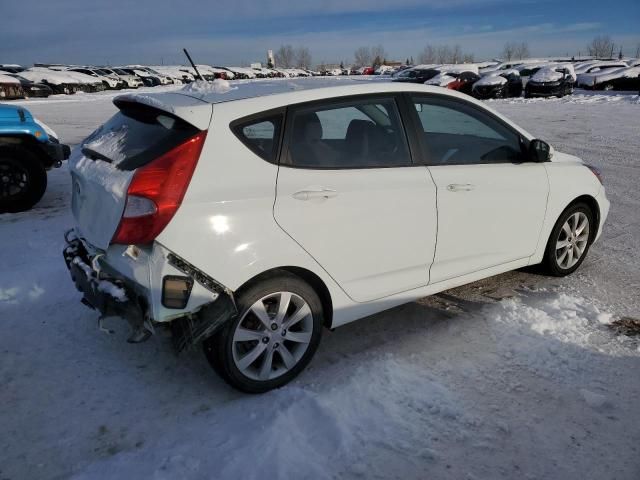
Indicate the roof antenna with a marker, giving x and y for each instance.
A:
(193, 64)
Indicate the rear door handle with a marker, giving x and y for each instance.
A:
(460, 187)
(319, 193)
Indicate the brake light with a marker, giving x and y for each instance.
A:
(597, 173)
(156, 192)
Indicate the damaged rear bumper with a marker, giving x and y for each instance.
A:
(109, 295)
(118, 292)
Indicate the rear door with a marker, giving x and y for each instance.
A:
(491, 200)
(348, 193)
(103, 166)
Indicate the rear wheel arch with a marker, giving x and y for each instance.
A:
(313, 280)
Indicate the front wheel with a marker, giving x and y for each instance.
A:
(23, 180)
(569, 241)
(273, 338)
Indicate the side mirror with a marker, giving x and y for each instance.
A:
(539, 151)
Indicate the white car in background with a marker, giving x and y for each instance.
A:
(110, 81)
(132, 81)
(249, 218)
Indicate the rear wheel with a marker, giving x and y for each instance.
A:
(23, 180)
(273, 338)
(569, 241)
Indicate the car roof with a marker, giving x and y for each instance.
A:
(244, 97)
(299, 89)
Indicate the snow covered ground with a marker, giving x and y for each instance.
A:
(517, 376)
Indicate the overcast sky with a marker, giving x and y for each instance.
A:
(239, 31)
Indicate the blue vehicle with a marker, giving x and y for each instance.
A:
(28, 148)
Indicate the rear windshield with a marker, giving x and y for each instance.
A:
(136, 135)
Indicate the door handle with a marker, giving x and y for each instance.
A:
(460, 187)
(321, 193)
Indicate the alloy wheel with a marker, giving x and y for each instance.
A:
(572, 240)
(272, 336)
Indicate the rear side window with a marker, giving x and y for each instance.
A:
(135, 136)
(260, 135)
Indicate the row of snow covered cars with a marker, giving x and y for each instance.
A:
(43, 80)
(534, 78)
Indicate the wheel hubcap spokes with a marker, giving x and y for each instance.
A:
(573, 240)
(272, 336)
(13, 180)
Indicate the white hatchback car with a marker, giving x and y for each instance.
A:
(249, 218)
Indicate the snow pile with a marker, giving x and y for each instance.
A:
(203, 87)
(490, 80)
(546, 74)
(8, 79)
(387, 407)
(440, 80)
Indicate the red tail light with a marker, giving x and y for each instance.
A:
(156, 191)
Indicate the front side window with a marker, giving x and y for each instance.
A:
(459, 134)
(359, 134)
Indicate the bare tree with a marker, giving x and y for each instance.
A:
(509, 51)
(362, 57)
(521, 51)
(303, 57)
(638, 50)
(378, 51)
(601, 47)
(427, 56)
(285, 56)
(444, 54)
(468, 58)
(456, 54)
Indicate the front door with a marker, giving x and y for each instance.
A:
(491, 201)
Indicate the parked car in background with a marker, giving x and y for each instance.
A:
(170, 233)
(111, 82)
(366, 70)
(599, 65)
(59, 82)
(557, 80)
(464, 82)
(148, 80)
(131, 81)
(505, 84)
(28, 148)
(30, 88)
(415, 75)
(10, 88)
(11, 67)
(615, 79)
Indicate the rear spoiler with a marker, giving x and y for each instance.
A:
(192, 110)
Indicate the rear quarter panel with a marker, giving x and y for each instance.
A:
(225, 225)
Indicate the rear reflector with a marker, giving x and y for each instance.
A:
(597, 173)
(156, 192)
(176, 291)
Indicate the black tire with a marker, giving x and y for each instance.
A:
(219, 348)
(23, 179)
(550, 265)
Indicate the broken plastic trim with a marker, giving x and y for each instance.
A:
(198, 275)
(187, 331)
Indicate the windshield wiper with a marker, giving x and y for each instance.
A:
(95, 155)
